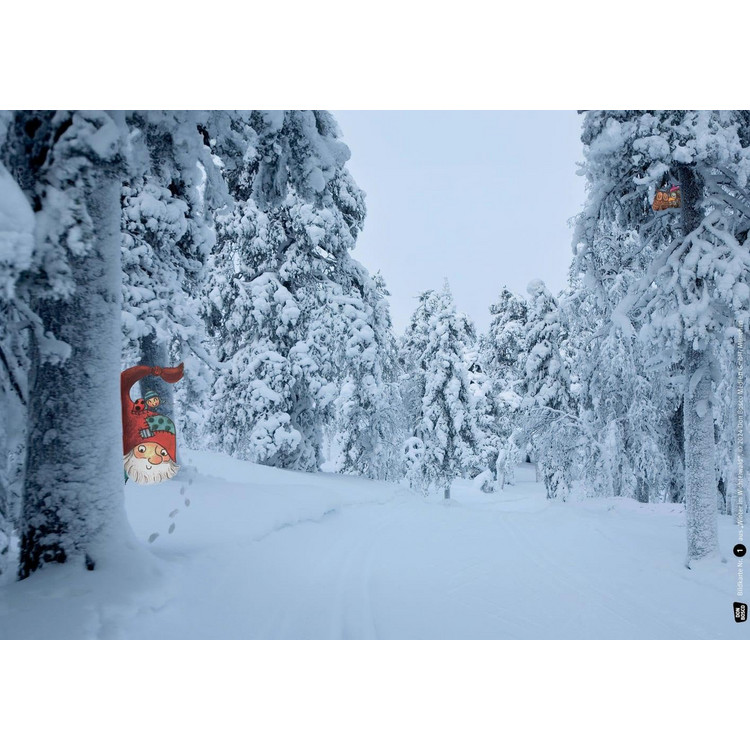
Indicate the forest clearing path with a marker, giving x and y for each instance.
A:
(264, 553)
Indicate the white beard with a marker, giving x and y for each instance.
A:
(142, 472)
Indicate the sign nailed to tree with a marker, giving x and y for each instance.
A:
(667, 198)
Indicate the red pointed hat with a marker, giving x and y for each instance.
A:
(155, 428)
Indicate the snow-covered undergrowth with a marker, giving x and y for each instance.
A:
(265, 553)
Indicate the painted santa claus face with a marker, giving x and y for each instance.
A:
(149, 463)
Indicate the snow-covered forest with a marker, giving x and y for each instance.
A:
(226, 240)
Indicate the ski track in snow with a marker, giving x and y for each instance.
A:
(263, 553)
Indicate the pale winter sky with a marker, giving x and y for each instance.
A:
(482, 198)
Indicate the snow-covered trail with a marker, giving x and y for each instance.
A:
(262, 553)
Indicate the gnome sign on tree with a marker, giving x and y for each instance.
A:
(149, 439)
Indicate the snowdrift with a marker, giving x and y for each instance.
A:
(256, 552)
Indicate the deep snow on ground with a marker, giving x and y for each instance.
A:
(265, 553)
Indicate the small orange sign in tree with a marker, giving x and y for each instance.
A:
(667, 198)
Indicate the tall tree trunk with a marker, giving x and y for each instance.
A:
(746, 430)
(73, 489)
(736, 435)
(740, 490)
(700, 472)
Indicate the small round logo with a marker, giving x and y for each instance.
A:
(739, 550)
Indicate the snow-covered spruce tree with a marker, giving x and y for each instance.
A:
(700, 291)
(167, 234)
(368, 413)
(445, 437)
(251, 313)
(506, 336)
(548, 408)
(617, 235)
(493, 462)
(623, 404)
(411, 346)
(483, 397)
(248, 418)
(502, 349)
(695, 287)
(69, 166)
(623, 426)
(395, 429)
(279, 280)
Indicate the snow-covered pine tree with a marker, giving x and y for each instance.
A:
(549, 413)
(368, 414)
(701, 290)
(252, 398)
(502, 351)
(280, 276)
(445, 434)
(411, 346)
(623, 404)
(483, 398)
(624, 429)
(617, 214)
(69, 166)
(696, 283)
(505, 340)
